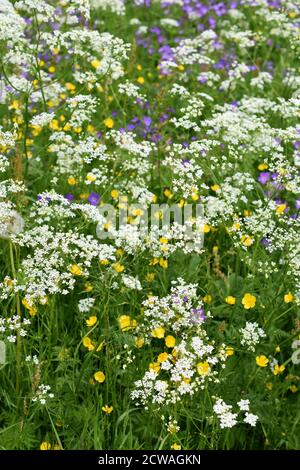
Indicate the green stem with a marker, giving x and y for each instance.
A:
(54, 430)
(18, 307)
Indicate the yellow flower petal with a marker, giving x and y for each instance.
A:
(99, 376)
(91, 321)
(262, 361)
(248, 301)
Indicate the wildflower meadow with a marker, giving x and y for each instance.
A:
(149, 225)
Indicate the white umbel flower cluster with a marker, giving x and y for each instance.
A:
(251, 335)
(229, 418)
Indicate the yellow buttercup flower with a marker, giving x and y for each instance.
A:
(88, 287)
(26, 304)
(139, 342)
(154, 366)
(70, 86)
(32, 311)
(107, 409)
(118, 267)
(248, 301)
(54, 125)
(36, 131)
(67, 127)
(163, 263)
(207, 298)
(141, 80)
(99, 376)
(31, 308)
(262, 361)
(91, 321)
(87, 343)
(96, 63)
(90, 178)
(90, 128)
(15, 105)
(176, 446)
(278, 369)
(45, 446)
(76, 270)
(229, 351)
(158, 215)
(206, 228)
(262, 166)
(236, 226)
(162, 357)
(114, 193)
(168, 193)
(203, 368)
(109, 122)
(288, 298)
(170, 341)
(137, 212)
(72, 181)
(280, 208)
(126, 323)
(159, 332)
(247, 240)
(230, 300)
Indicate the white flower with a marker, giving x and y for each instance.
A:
(12, 223)
(84, 305)
(225, 415)
(251, 419)
(296, 344)
(131, 282)
(296, 357)
(43, 394)
(11, 338)
(116, 6)
(41, 119)
(250, 335)
(244, 405)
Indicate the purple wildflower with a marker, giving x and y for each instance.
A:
(94, 199)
